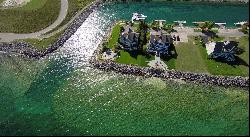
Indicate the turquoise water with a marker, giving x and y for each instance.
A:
(189, 11)
(62, 95)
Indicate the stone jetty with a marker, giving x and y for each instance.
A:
(27, 49)
(225, 81)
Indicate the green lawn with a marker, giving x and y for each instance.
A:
(244, 44)
(33, 5)
(34, 16)
(189, 58)
(141, 60)
(114, 36)
(192, 57)
(219, 68)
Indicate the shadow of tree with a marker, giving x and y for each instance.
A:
(238, 61)
(210, 34)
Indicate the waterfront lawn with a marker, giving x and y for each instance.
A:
(244, 44)
(189, 57)
(221, 68)
(34, 16)
(113, 41)
(141, 60)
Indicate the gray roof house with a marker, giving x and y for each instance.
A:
(129, 39)
(159, 43)
(222, 50)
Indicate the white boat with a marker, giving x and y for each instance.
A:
(180, 21)
(220, 23)
(137, 16)
(240, 23)
(199, 22)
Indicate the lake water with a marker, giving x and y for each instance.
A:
(62, 95)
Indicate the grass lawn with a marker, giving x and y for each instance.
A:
(192, 57)
(189, 58)
(34, 16)
(244, 44)
(219, 68)
(125, 58)
(114, 36)
(33, 5)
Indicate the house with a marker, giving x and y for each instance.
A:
(129, 39)
(159, 43)
(222, 50)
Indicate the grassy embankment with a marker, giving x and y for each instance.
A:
(34, 16)
(191, 57)
(74, 7)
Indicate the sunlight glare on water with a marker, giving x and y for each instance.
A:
(80, 47)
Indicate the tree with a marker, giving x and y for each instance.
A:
(154, 25)
(245, 29)
(143, 27)
(206, 26)
(168, 27)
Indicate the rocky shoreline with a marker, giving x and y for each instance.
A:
(225, 81)
(27, 49)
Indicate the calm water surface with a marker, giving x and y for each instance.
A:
(62, 95)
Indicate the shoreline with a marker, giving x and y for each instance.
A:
(209, 1)
(196, 78)
(28, 50)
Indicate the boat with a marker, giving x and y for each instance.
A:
(180, 21)
(240, 23)
(137, 17)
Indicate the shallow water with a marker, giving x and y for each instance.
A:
(62, 95)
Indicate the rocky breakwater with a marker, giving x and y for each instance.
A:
(21, 48)
(226, 81)
(28, 50)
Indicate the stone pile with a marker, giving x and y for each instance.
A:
(225, 81)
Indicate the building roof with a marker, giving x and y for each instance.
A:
(225, 46)
(220, 47)
(162, 38)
